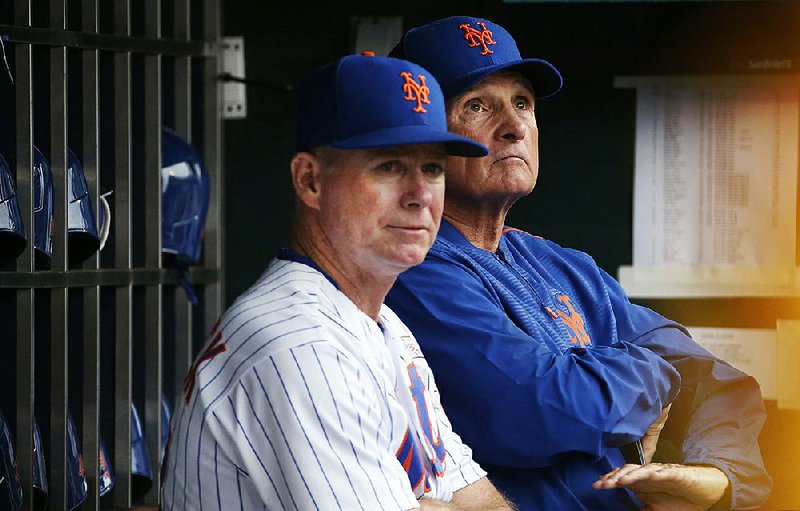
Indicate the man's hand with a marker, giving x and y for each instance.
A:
(650, 438)
(668, 486)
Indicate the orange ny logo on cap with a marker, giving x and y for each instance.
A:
(416, 91)
(478, 38)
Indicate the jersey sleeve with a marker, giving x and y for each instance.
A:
(719, 412)
(514, 401)
(310, 433)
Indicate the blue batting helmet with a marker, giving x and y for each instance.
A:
(166, 415)
(76, 495)
(12, 229)
(141, 469)
(10, 488)
(82, 234)
(42, 208)
(105, 478)
(40, 487)
(77, 489)
(185, 196)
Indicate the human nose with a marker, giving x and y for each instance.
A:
(417, 193)
(512, 127)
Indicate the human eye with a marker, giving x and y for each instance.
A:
(523, 103)
(387, 166)
(474, 106)
(433, 169)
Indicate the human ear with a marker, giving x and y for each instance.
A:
(305, 168)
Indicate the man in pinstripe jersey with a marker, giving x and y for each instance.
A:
(310, 393)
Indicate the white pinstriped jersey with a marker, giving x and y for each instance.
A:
(301, 401)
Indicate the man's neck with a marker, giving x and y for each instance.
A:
(367, 291)
(482, 227)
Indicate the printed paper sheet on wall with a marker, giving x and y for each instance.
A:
(715, 174)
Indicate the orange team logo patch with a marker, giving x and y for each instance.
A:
(575, 323)
(416, 91)
(478, 37)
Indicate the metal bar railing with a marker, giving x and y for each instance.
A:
(26, 326)
(182, 99)
(58, 461)
(90, 72)
(123, 260)
(152, 220)
(92, 41)
(103, 277)
(128, 296)
(212, 154)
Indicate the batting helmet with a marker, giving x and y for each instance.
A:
(40, 487)
(77, 488)
(184, 199)
(42, 208)
(10, 488)
(141, 469)
(75, 493)
(12, 229)
(166, 415)
(82, 235)
(185, 196)
(106, 479)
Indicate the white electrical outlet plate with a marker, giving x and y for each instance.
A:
(234, 100)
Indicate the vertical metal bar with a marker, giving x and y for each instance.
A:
(183, 89)
(25, 262)
(183, 125)
(212, 155)
(183, 340)
(123, 260)
(59, 359)
(91, 295)
(153, 298)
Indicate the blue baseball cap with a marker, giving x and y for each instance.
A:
(364, 101)
(462, 50)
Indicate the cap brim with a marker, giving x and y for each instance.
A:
(544, 77)
(455, 145)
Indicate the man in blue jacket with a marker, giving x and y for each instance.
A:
(545, 367)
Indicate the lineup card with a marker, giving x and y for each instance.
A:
(715, 170)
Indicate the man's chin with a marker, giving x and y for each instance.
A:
(406, 257)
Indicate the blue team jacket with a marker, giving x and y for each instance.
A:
(546, 369)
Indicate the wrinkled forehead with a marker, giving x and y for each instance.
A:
(505, 77)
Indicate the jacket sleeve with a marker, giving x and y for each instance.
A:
(515, 402)
(719, 412)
